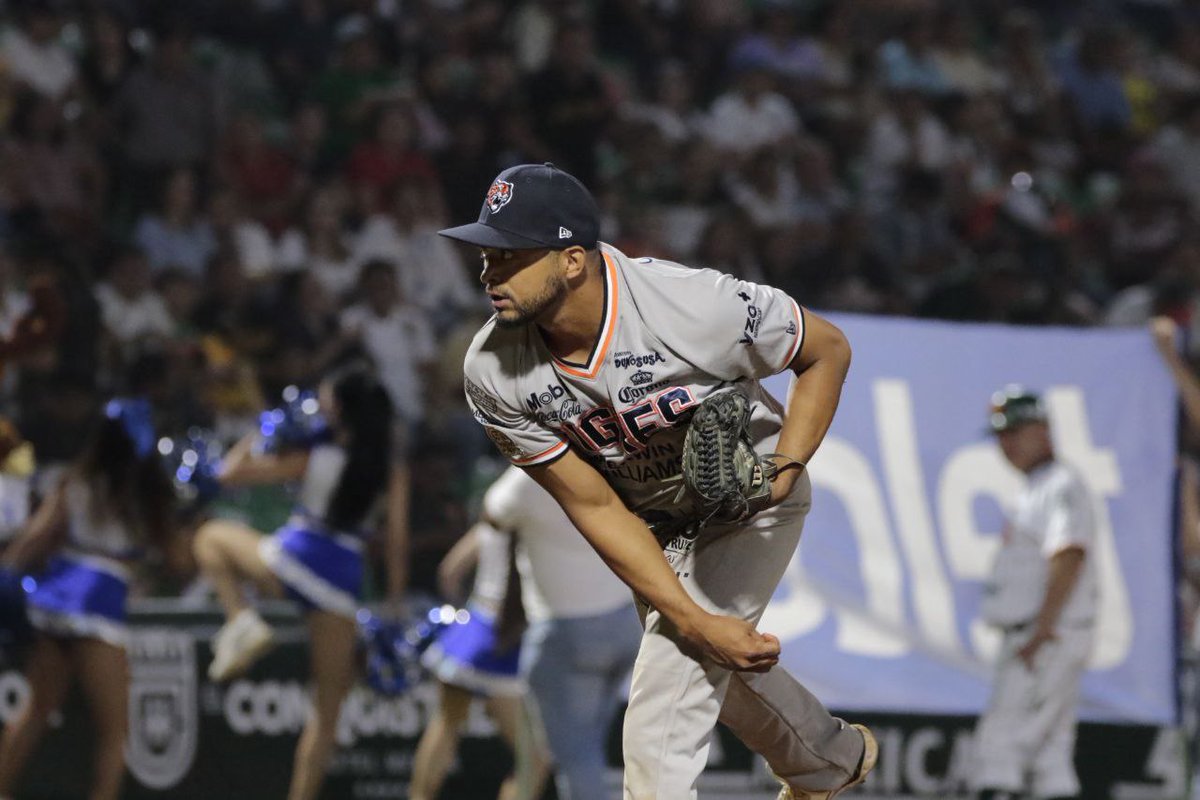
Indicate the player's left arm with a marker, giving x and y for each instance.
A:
(820, 366)
(1065, 567)
(1068, 533)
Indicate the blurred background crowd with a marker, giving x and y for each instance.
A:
(206, 202)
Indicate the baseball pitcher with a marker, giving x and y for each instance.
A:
(629, 389)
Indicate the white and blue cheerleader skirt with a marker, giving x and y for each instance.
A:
(320, 568)
(464, 655)
(80, 595)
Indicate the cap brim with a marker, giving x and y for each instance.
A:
(481, 235)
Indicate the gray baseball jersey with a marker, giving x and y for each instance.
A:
(671, 335)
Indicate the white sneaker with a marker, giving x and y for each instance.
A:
(870, 756)
(238, 644)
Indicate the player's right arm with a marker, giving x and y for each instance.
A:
(631, 551)
(618, 535)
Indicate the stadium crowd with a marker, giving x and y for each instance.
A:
(208, 201)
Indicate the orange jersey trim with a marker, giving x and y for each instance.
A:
(592, 367)
(550, 452)
(800, 331)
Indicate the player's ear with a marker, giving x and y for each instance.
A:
(573, 261)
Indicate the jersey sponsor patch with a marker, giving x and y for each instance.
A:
(753, 323)
(625, 359)
(482, 400)
(552, 392)
(504, 444)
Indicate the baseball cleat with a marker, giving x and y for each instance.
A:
(238, 644)
(870, 756)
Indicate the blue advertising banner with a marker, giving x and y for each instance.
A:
(879, 611)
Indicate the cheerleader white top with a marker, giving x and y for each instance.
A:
(83, 590)
(320, 567)
(106, 537)
(321, 478)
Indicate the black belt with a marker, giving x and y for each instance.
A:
(1018, 627)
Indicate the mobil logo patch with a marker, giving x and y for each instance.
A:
(551, 393)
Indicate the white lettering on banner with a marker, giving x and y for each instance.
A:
(916, 757)
(280, 708)
(270, 707)
(933, 600)
(972, 472)
(905, 758)
(887, 775)
(1099, 469)
(875, 630)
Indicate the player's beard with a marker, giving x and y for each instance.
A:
(524, 312)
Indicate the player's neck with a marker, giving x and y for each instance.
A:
(1041, 460)
(570, 330)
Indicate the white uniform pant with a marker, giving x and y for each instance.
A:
(675, 701)
(1027, 734)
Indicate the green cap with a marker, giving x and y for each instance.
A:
(1013, 406)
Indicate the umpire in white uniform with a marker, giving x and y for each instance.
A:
(1042, 596)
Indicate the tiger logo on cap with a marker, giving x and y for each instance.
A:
(498, 195)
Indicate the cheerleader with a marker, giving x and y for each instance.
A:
(111, 508)
(479, 655)
(315, 559)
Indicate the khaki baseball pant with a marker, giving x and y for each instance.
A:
(675, 701)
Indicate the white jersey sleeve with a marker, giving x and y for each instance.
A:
(727, 327)
(502, 502)
(492, 371)
(1069, 520)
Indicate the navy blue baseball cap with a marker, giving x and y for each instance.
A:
(533, 206)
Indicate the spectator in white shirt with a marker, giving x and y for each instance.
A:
(766, 191)
(753, 114)
(905, 135)
(129, 306)
(429, 268)
(321, 244)
(397, 336)
(32, 53)
(176, 234)
(237, 231)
